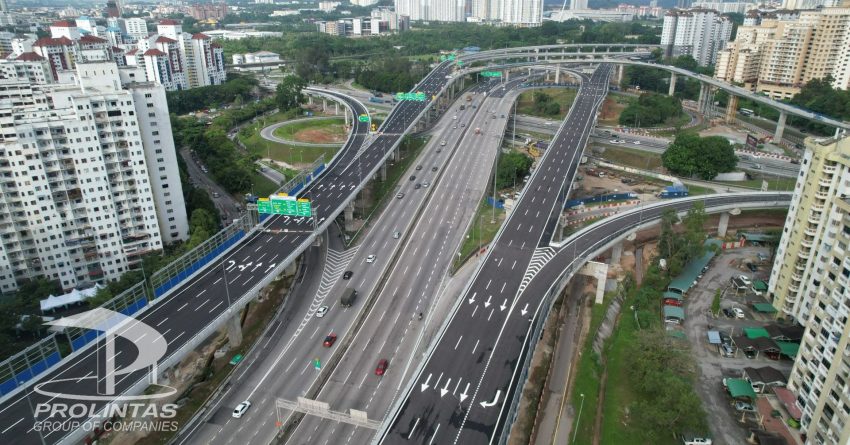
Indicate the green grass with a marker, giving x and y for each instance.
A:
(563, 96)
(481, 232)
(331, 127)
(784, 184)
(263, 186)
(632, 158)
(695, 190)
(292, 154)
(587, 378)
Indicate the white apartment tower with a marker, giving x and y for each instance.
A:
(810, 283)
(700, 33)
(84, 189)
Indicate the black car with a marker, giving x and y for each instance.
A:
(412, 178)
(433, 169)
(728, 313)
(418, 185)
(418, 167)
(347, 275)
(725, 338)
(752, 267)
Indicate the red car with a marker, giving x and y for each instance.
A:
(329, 340)
(672, 302)
(382, 366)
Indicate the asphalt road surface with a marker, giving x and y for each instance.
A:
(197, 302)
(459, 393)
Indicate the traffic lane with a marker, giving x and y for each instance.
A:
(498, 255)
(159, 317)
(128, 376)
(391, 339)
(297, 302)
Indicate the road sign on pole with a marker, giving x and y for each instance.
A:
(284, 205)
(363, 118)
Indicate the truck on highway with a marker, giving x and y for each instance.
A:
(674, 191)
(349, 296)
(376, 100)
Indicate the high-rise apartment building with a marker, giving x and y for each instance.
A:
(89, 178)
(697, 32)
(505, 12)
(809, 284)
(777, 53)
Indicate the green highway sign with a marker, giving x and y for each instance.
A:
(451, 57)
(363, 118)
(491, 73)
(460, 62)
(419, 97)
(284, 205)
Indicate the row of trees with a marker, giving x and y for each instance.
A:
(651, 109)
(512, 167)
(660, 368)
(703, 157)
(235, 90)
(390, 74)
(545, 105)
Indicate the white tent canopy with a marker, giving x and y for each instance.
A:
(75, 296)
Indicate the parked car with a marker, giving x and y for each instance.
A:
(745, 279)
(739, 313)
(728, 313)
(744, 406)
(752, 267)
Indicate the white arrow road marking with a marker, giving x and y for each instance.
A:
(487, 303)
(524, 310)
(255, 267)
(232, 263)
(472, 300)
(425, 385)
(464, 395)
(445, 389)
(494, 402)
(504, 305)
(271, 266)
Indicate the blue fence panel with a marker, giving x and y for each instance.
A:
(601, 198)
(500, 204)
(27, 374)
(199, 264)
(295, 189)
(318, 170)
(8, 386)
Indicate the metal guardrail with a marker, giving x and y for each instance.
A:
(28, 364)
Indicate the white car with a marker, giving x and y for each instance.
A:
(636, 142)
(370, 259)
(321, 312)
(744, 279)
(443, 143)
(240, 409)
(738, 312)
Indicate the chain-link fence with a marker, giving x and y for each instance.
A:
(32, 361)
(190, 262)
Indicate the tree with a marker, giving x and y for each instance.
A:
(651, 109)
(691, 155)
(288, 95)
(512, 166)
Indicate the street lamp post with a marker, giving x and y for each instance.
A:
(578, 419)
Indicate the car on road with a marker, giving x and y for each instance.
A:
(426, 184)
(455, 117)
(443, 143)
(329, 340)
(321, 312)
(400, 195)
(419, 167)
(439, 150)
(383, 364)
(454, 126)
(744, 406)
(396, 234)
(739, 313)
(347, 275)
(240, 409)
(371, 258)
(503, 116)
(434, 168)
(417, 186)
(635, 142)
(216, 195)
(412, 177)
(462, 125)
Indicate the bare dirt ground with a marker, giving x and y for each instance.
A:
(319, 135)
(610, 112)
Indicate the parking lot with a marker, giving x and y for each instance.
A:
(729, 426)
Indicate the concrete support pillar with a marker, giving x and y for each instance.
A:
(507, 76)
(336, 108)
(347, 120)
(620, 71)
(672, 89)
(324, 105)
(348, 214)
(396, 154)
(309, 99)
(616, 253)
(723, 224)
(600, 272)
(557, 73)
(731, 108)
(234, 330)
(384, 171)
(290, 269)
(780, 127)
